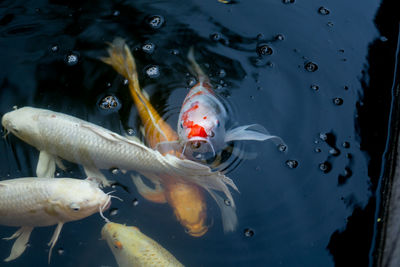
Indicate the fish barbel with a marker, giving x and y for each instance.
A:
(32, 202)
(133, 248)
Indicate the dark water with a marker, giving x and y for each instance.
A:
(301, 69)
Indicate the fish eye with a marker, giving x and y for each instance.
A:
(195, 145)
(182, 125)
(74, 207)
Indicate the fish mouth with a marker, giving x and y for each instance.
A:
(198, 232)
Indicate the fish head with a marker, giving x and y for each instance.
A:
(201, 130)
(74, 199)
(23, 123)
(121, 238)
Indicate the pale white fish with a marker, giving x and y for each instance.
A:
(57, 135)
(133, 248)
(33, 202)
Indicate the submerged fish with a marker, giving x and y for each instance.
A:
(132, 248)
(33, 202)
(186, 199)
(57, 135)
(202, 122)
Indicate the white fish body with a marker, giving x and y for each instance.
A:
(132, 248)
(57, 135)
(32, 202)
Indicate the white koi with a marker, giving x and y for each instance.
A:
(33, 202)
(133, 248)
(57, 135)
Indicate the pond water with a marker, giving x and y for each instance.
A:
(299, 68)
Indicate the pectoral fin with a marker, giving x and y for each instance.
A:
(46, 165)
(251, 132)
(54, 238)
(155, 194)
(228, 212)
(19, 246)
(92, 172)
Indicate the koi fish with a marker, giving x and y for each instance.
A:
(202, 118)
(133, 248)
(34, 202)
(59, 136)
(186, 199)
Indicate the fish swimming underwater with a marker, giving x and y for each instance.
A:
(186, 199)
(132, 248)
(57, 135)
(201, 124)
(34, 202)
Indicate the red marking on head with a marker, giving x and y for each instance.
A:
(205, 117)
(198, 131)
(185, 116)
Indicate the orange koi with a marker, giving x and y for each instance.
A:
(186, 199)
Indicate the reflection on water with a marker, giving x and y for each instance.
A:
(292, 66)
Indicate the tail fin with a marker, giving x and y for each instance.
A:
(199, 72)
(121, 59)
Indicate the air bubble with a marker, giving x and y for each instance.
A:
(155, 21)
(314, 87)
(323, 136)
(148, 48)
(227, 202)
(153, 71)
(323, 11)
(288, 1)
(311, 66)
(282, 147)
(116, 13)
(126, 81)
(325, 167)
(221, 73)
(174, 52)
(72, 59)
(317, 150)
(383, 38)
(264, 50)
(334, 152)
(337, 101)
(60, 251)
(279, 37)
(248, 232)
(346, 144)
(113, 212)
(109, 102)
(191, 81)
(291, 163)
(130, 132)
(115, 171)
(215, 37)
(135, 202)
(330, 24)
(54, 48)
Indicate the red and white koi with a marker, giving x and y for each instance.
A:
(202, 121)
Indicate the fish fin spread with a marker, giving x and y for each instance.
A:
(167, 146)
(228, 213)
(19, 246)
(54, 238)
(155, 194)
(201, 175)
(46, 165)
(95, 174)
(251, 132)
(196, 67)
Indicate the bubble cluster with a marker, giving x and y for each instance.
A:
(310, 66)
(155, 21)
(292, 164)
(72, 59)
(109, 102)
(153, 71)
